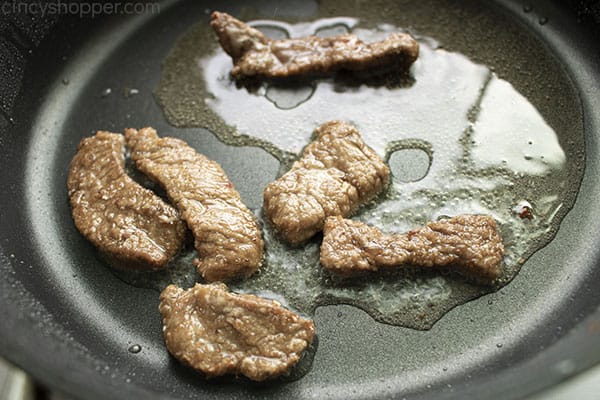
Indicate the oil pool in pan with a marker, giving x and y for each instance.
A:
(459, 138)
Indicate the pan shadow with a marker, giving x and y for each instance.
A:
(390, 78)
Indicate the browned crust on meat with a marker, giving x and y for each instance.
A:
(335, 175)
(255, 55)
(128, 223)
(468, 244)
(226, 234)
(218, 332)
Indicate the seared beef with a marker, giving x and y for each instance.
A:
(468, 244)
(218, 332)
(128, 223)
(227, 236)
(336, 173)
(254, 54)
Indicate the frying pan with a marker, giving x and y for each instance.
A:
(70, 322)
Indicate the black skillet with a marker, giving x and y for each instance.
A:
(71, 323)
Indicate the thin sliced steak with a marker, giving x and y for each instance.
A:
(129, 224)
(254, 54)
(226, 234)
(468, 244)
(335, 175)
(218, 332)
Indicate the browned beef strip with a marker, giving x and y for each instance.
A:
(227, 236)
(468, 244)
(128, 223)
(254, 54)
(218, 332)
(335, 175)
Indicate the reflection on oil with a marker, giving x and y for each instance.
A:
(458, 140)
(510, 132)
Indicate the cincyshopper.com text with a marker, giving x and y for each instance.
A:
(81, 9)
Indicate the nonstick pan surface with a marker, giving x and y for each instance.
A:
(71, 323)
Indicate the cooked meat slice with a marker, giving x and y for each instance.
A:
(335, 175)
(128, 223)
(226, 234)
(468, 244)
(218, 332)
(254, 54)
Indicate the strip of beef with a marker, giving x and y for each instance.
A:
(131, 225)
(254, 54)
(468, 244)
(335, 175)
(218, 332)
(226, 234)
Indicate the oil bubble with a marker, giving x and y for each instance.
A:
(134, 349)
(289, 96)
(409, 165)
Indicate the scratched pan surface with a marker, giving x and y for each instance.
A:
(69, 321)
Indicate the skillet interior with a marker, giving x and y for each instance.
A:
(70, 321)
